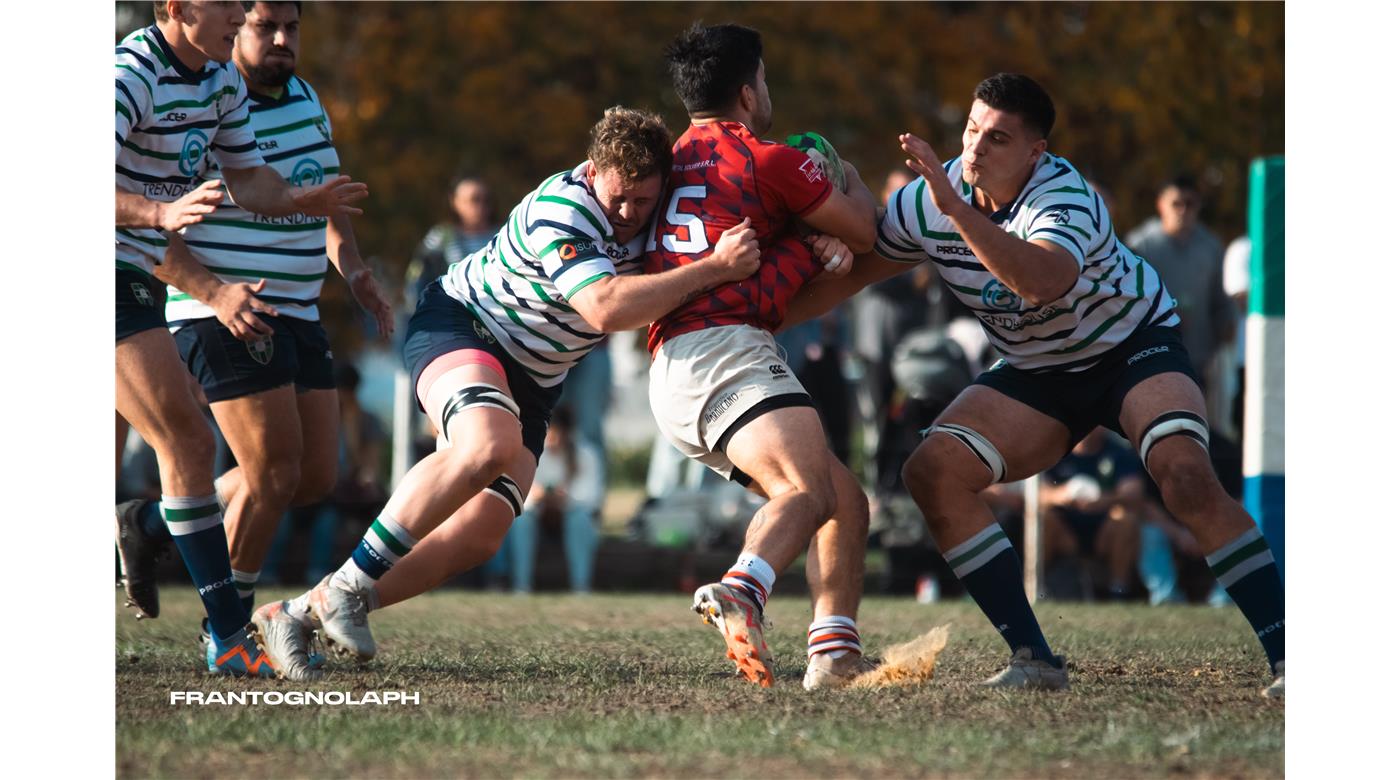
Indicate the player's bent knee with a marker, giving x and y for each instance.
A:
(1189, 486)
(977, 444)
(1174, 423)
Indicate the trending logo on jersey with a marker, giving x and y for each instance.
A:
(192, 154)
(261, 350)
(997, 296)
(1061, 217)
(812, 169)
(307, 173)
(323, 130)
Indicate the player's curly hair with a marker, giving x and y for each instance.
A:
(635, 144)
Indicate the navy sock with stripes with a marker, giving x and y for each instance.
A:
(197, 528)
(1246, 567)
(989, 568)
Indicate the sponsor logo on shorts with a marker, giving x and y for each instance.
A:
(482, 333)
(717, 411)
(261, 350)
(1149, 352)
(142, 295)
(778, 369)
(998, 296)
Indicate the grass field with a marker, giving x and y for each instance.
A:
(634, 685)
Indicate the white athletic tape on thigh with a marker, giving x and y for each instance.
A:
(504, 488)
(473, 396)
(979, 445)
(1177, 423)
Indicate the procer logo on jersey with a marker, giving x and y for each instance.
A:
(812, 169)
(574, 251)
(1149, 352)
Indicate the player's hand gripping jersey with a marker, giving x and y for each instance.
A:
(1117, 292)
(722, 174)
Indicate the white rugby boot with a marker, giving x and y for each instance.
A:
(1030, 674)
(285, 641)
(823, 671)
(1275, 689)
(343, 619)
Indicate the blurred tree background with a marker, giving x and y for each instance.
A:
(419, 92)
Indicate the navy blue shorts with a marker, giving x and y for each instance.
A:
(227, 368)
(140, 303)
(442, 324)
(1084, 400)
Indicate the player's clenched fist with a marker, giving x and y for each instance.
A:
(737, 249)
(191, 208)
(333, 197)
(835, 256)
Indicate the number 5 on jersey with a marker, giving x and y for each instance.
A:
(696, 240)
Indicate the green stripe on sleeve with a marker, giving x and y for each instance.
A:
(580, 208)
(149, 91)
(163, 107)
(585, 283)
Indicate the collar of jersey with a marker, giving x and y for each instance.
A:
(1005, 213)
(175, 63)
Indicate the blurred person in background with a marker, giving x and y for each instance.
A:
(1092, 504)
(566, 499)
(1188, 257)
(471, 227)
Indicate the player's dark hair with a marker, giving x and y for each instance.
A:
(1182, 181)
(709, 65)
(634, 144)
(248, 6)
(1017, 94)
(162, 15)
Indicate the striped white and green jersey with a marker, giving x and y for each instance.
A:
(557, 241)
(170, 122)
(1116, 293)
(294, 136)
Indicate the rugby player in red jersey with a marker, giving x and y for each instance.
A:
(719, 388)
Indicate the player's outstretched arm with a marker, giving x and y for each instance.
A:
(344, 253)
(136, 211)
(261, 190)
(235, 305)
(824, 293)
(849, 216)
(617, 303)
(1038, 271)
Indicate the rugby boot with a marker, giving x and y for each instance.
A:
(1275, 689)
(239, 656)
(823, 671)
(343, 620)
(1030, 674)
(741, 623)
(139, 555)
(285, 641)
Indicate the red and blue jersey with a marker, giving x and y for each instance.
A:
(722, 173)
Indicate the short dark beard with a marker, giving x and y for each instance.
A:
(273, 76)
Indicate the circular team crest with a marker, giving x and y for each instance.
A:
(307, 173)
(996, 295)
(192, 153)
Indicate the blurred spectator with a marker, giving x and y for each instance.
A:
(1235, 280)
(358, 493)
(565, 499)
(816, 352)
(1188, 257)
(588, 394)
(1092, 503)
(472, 225)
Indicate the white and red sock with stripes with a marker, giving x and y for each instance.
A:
(835, 635)
(752, 575)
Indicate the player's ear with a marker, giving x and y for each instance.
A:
(748, 98)
(1038, 148)
(589, 172)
